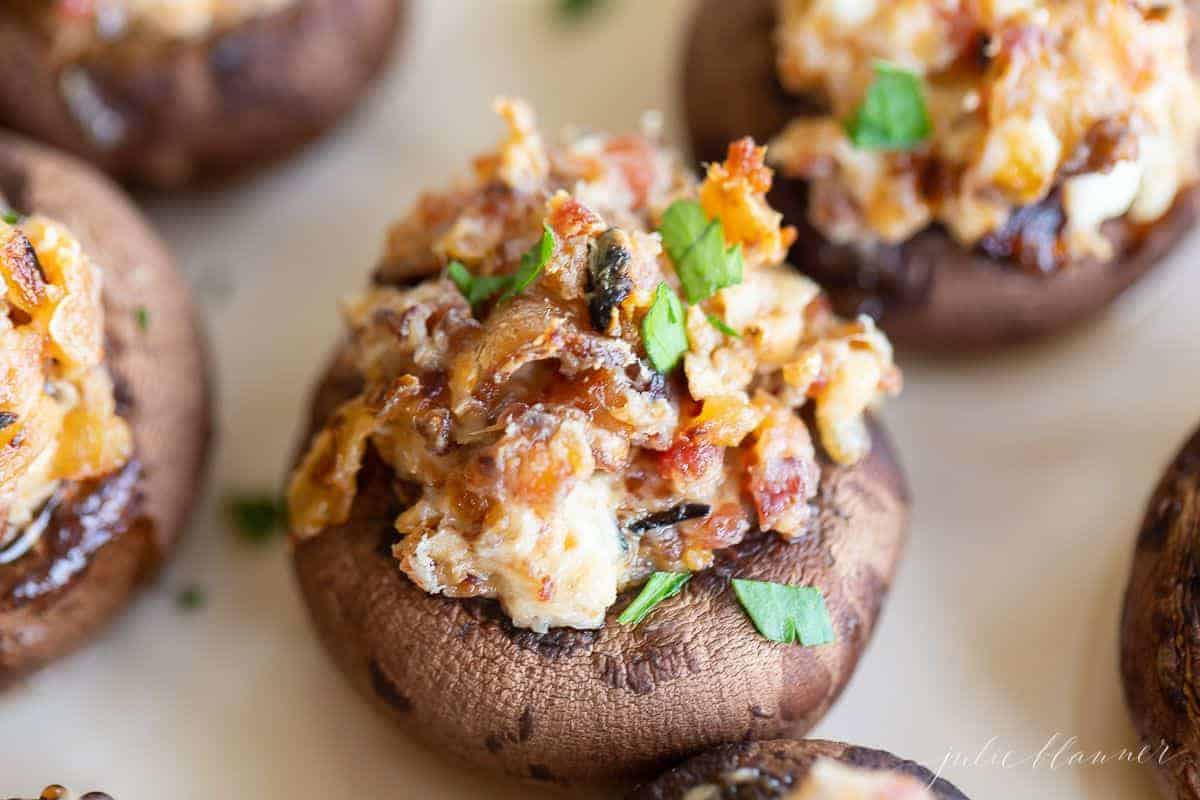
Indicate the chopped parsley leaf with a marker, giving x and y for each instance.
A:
(191, 598)
(786, 614)
(720, 325)
(893, 115)
(257, 517)
(141, 315)
(661, 586)
(532, 263)
(477, 290)
(663, 331)
(696, 246)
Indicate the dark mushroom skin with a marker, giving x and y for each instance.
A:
(930, 293)
(193, 111)
(615, 704)
(778, 768)
(107, 536)
(1160, 629)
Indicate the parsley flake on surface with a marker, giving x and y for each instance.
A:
(12, 217)
(141, 315)
(532, 263)
(663, 330)
(720, 325)
(476, 289)
(786, 614)
(574, 9)
(191, 598)
(661, 586)
(893, 115)
(257, 517)
(696, 246)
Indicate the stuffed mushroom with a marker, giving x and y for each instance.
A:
(593, 482)
(104, 411)
(168, 92)
(1160, 640)
(970, 174)
(798, 770)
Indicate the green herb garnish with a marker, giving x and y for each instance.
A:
(786, 614)
(257, 518)
(696, 245)
(191, 598)
(141, 315)
(661, 586)
(477, 290)
(893, 115)
(12, 217)
(573, 9)
(720, 325)
(663, 331)
(532, 263)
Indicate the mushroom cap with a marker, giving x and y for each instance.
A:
(206, 109)
(778, 767)
(124, 525)
(930, 293)
(1160, 628)
(613, 704)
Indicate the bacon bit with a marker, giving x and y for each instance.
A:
(690, 459)
(546, 589)
(736, 193)
(724, 527)
(20, 268)
(634, 156)
(747, 161)
(779, 488)
(569, 217)
(782, 473)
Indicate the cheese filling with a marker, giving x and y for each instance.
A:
(58, 420)
(543, 459)
(1092, 106)
(179, 19)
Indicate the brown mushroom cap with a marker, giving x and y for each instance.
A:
(778, 767)
(1160, 628)
(205, 109)
(612, 704)
(931, 293)
(119, 528)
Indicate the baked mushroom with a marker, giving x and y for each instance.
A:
(1160, 640)
(797, 770)
(969, 174)
(530, 443)
(57, 792)
(168, 92)
(104, 404)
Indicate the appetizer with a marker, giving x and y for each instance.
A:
(971, 174)
(593, 483)
(57, 792)
(168, 92)
(797, 770)
(1160, 641)
(104, 412)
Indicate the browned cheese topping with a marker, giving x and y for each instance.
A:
(58, 420)
(1047, 119)
(547, 461)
